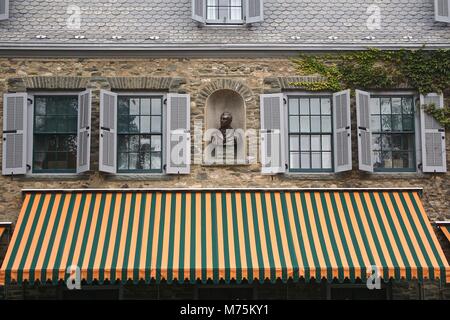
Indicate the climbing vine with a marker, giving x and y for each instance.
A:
(442, 115)
(426, 70)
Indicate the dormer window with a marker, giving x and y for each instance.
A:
(4, 9)
(222, 12)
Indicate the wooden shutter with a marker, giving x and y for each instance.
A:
(178, 146)
(342, 131)
(433, 136)
(273, 130)
(364, 132)
(254, 11)
(108, 132)
(15, 133)
(4, 9)
(84, 131)
(442, 10)
(199, 10)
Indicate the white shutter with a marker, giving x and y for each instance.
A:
(84, 131)
(364, 132)
(273, 130)
(442, 10)
(342, 131)
(199, 10)
(254, 11)
(108, 132)
(15, 133)
(4, 9)
(433, 136)
(178, 146)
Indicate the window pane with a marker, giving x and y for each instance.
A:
(156, 107)
(304, 106)
(407, 104)
(133, 161)
(385, 105)
(386, 159)
(295, 160)
(375, 106)
(375, 123)
(386, 142)
(40, 107)
(145, 124)
(123, 106)
(304, 124)
(145, 161)
(386, 123)
(376, 142)
(156, 161)
(397, 123)
(294, 143)
(315, 106)
(122, 161)
(316, 160)
(134, 143)
(145, 106)
(326, 160)
(396, 105)
(326, 124)
(134, 106)
(316, 143)
(293, 106)
(145, 143)
(134, 124)
(212, 13)
(306, 160)
(377, 159)
(408, 123)
(315, 124)
(305, 143)
(156, 124)
(293, 124)
(156, 144)
(326, 143)
(236, 13)
(122, 123)
(122, 143)
(326, 106)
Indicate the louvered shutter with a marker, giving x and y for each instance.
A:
(84, 131)
(254, 11)
(14, 133)
(442, 10)
(433, 136)
(178, 124)
(199, 10)
(342, 131)
(4, 9)
(364, 132)
(273, 130)
(108, 132)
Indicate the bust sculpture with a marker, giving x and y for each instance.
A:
(226, 137)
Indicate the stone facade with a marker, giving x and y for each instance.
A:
(199, 77)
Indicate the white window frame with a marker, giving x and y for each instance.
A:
(30, 136)
(228, 22)
(324, 94)
(163, 128)
(417, 129)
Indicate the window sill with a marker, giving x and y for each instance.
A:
(396, 175)
(52, 177)
(137, 177)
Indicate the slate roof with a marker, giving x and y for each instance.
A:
(167, 24)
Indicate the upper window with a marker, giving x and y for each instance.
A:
(140, 120)
(393, 133)
(224, 11)
(55, 134)
(228, 11)
(310, 134)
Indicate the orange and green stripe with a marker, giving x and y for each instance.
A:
(214, 235)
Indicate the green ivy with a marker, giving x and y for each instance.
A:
(442, 115)
(425, 70)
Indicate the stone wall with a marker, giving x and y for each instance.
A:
(248, 76)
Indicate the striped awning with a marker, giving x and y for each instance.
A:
(223, 234)
(2, 230)
(445, 228)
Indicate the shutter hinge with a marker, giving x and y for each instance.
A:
(165, 167)
(165, 102)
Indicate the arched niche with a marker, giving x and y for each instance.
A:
(221, 101)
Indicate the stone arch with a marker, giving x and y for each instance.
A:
(224, 84)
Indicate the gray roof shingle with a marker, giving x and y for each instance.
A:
(287, 24)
